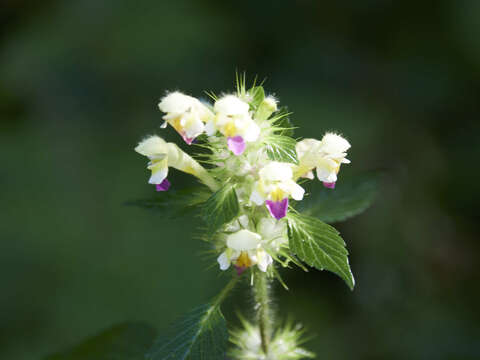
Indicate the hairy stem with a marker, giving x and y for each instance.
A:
(261, 290)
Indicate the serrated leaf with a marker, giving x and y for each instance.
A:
(319, 245)
(281, 148)
(258, 94)
(127, 341)
(200, 335)
(174, 203)
(349, 198)
(221, 208)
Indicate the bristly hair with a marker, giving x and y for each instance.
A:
(241, 83)
(211, 95)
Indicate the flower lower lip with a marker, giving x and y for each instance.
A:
(330, 185)
(163, 186)
(236, 144)
(240, 269)
(278, 209)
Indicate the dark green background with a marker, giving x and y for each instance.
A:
(79, 86)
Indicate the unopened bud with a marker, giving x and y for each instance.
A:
(266, 108)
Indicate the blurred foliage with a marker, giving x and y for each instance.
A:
(79, 83)
(127, 341)
(351, 198)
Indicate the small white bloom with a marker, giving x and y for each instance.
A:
(186, 114)
(156, 149)
(163, 155)
(326, 156)
(233, 120)
(274, 187)
(244, 250)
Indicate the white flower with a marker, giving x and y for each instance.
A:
(156, 149)
(326, 156)
(163, 155)
(244, 250)
(274, 187)
(186, 114)
(233, 120)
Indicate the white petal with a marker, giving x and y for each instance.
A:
(252, 132)
(151, 146)
(257, 198)
(164, 125)
(210, 128)
(158, 175)
(276, 171)
(334, 144)
(194, 127)
(243, 240)
(309, 175)
(306, 146)
(177, 102)
(296, 191)
(326, 175)
(263, 260)
(223, 261)
(231, 105)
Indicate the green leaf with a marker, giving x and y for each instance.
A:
(221, 208)
(281, 148)
(319, 245)
(258, 94)
(128, 341)
(349, 198)
(200, 335)
(174, 203)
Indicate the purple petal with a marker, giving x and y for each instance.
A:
(236, 144)
(240, 269)
(164, 186)
(278, 209)
(330, 185)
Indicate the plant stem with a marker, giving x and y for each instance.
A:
(262, 305)
(225, 291)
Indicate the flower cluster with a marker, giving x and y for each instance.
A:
(245, 135)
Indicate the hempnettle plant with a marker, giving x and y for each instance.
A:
(258, 217)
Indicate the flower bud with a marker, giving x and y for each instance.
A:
(266, 108)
